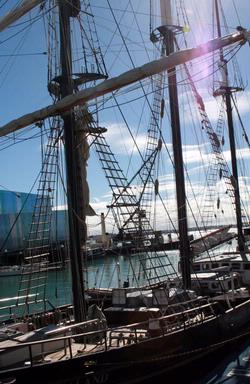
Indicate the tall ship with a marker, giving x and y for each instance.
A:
(162, 317)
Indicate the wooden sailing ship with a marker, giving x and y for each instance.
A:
(173, 327)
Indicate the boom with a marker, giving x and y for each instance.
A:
(18, 12)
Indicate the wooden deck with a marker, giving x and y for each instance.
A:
(92, 336)
(114, 340)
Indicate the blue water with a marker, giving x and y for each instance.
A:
(102, 272)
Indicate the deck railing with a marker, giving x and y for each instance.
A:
(108, 338)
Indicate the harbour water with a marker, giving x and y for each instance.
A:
(108, 271)
(105, 272)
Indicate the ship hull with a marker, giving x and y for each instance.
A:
(149, 358)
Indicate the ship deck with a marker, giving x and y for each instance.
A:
(115, 340)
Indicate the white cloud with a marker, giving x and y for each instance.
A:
(121, 140)
(244, 153)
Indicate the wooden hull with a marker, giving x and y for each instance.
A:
(151, 357)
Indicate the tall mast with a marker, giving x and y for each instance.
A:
(226, 91)
(66, 10)
(168, 31)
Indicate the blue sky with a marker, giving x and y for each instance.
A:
(23, 83)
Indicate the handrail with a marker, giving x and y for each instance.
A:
(70, 326)
(44, 341)
(115, 329)
(164, 328)
(172, 315)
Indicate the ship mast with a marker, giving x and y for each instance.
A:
(226, 91)
(168, 31)
(67, 10)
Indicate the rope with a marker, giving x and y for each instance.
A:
(178, 355)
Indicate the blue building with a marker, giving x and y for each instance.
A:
(16, 209)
